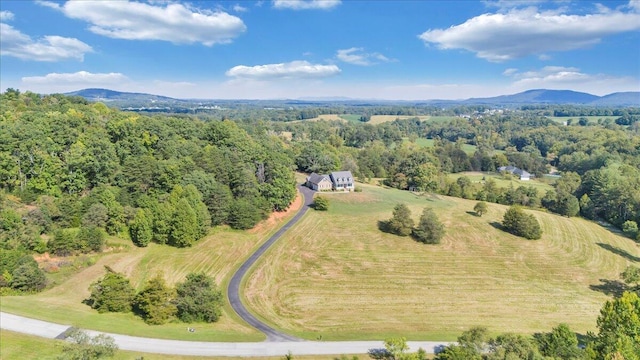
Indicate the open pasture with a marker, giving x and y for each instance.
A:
(336, 276)
(542, 185)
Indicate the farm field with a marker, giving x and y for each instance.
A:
(592, 119)
(335, 276)
(217, 255)
(424, 142)
(379, 119)
(479, 177)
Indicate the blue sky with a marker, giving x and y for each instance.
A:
(404, 50)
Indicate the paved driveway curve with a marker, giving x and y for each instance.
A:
(233, 291)
(199, 348)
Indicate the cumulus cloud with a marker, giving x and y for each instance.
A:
(517, 33)
(239, 8)
(291, 70)
(357, 56)
(77, 78)
(305, 4)
(561, 77)
(6, 16)
(173, 22)
(48, 48)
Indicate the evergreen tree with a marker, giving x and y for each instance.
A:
(112, 293)
(183, 231)
(198, 299)
(429, 230)
(154, 303)
(401, 223)
(519, 223)
(140, 229)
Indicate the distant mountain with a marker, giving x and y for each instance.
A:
(630, 98)
(107, 95)
(532, 97)
(539, 96)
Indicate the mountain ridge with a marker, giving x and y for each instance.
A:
(533, 96)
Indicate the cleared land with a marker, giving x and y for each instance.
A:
(379, 119)
(575, 119)
(542, 185)
(217, 255)
(336, 276)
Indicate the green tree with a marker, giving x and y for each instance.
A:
(512, 346)
(184, 225)
(198, 299)
(140, 229)
(245, 213)
(630, 228)
(631, 276)
(97, 215)
(90, 239)
(401, 223)
(560, 343)
(517, 222)
(27, 276)
(429, 230)
(81, 346)
(618, 330)
(320, 203)
(154, 303)
(396, 349)
(480, 208)
(112, 293)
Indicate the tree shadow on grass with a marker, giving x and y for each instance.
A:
(497, 225)
(613, 288)
(473, 213)
(618, 251)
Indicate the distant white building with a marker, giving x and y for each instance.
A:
(524, 176)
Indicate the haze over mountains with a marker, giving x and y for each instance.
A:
(536, 96)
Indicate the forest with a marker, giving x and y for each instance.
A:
(73, 173)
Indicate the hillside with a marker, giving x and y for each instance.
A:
(337, 276)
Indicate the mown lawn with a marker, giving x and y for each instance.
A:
(336, 276)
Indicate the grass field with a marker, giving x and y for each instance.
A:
(575, 119)
(336, 276)
(217, 255)
(424, 142)
(14, 346)
(542, 185)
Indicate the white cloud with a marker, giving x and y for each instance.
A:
(78, 78)
(173, 22)
(291, 70)
(561, 77)
(357, 56)
(305, 4)
(6, 16)
(48, 48)
(239, 8)
(522, 32)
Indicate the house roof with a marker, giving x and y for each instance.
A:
(341, 174)
(514, 170)
(317, 178)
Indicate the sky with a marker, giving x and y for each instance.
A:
(292, 49)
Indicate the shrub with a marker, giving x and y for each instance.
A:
(321, 203)
(401, 223)
(112, 293)
(630, 228)
(517, 222)
(480, 208)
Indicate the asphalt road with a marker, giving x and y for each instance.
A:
(233, 291)
(198, 348)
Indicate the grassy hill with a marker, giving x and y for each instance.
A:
(336, 276)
